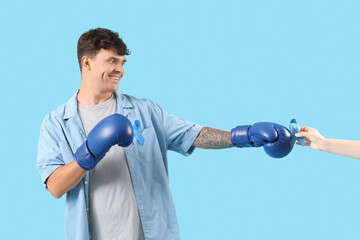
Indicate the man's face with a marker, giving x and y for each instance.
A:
(107, 70)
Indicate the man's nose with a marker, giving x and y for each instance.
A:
(119, 68)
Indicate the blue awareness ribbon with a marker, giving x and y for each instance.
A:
(295, 128)
(137, 133)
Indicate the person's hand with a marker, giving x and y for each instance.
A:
(313, 138)
(112, 130)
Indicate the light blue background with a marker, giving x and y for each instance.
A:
(216, 63)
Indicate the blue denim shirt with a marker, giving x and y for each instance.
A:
(62, 133)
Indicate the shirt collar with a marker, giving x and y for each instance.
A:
(124, 105)
(70, 107)
(123, 102)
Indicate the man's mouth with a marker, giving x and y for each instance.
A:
(117, 78)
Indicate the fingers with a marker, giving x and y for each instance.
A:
(305, 129)
(302, 134)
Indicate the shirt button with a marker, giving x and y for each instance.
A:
(86, 182)
(87, 209)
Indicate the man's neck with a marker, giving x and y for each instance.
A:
(88, 97)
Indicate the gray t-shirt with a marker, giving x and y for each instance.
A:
(113, 208)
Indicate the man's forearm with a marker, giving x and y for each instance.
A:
(211, 138)
(65, 178)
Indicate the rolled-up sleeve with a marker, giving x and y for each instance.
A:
(180, 133)
(49, 155)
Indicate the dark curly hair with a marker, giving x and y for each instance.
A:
(93, 40)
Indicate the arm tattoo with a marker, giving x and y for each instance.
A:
(211, 138)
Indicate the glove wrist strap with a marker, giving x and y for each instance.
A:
(240, 137)
(84, 157)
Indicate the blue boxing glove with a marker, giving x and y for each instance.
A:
(112, 130)
(275, 138)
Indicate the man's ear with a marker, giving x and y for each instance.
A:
(85, 63)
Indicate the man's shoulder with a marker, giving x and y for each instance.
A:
(58, 114)
(54, 116)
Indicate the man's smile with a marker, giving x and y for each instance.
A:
(115, 77)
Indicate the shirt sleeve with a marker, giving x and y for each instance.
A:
(180, 133)
(49, 155)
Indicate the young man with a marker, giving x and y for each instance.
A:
(315, 140)
(108, 151)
